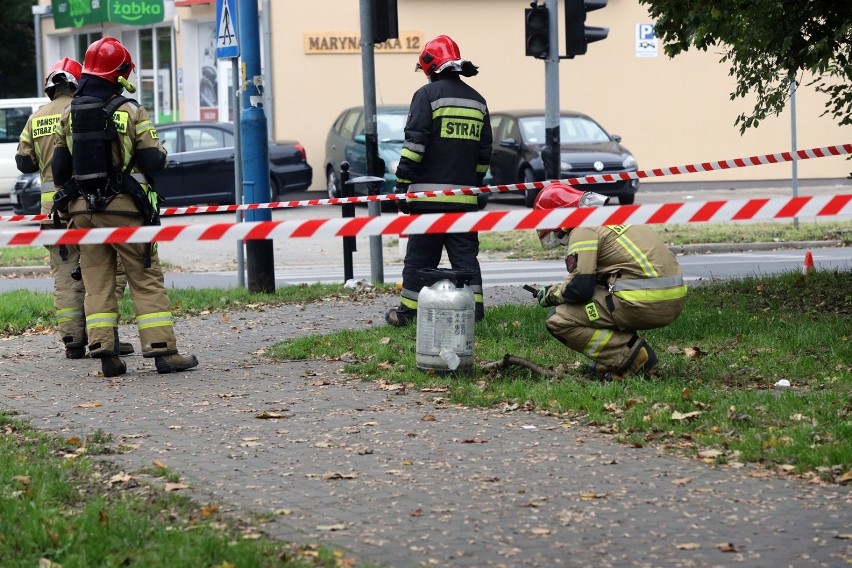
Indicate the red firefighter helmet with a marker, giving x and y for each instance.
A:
(108, 59)
(66, 70)
(558, 195)
(443, 53)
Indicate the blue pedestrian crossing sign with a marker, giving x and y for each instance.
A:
(227, 44)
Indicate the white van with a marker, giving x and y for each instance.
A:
(13, 117)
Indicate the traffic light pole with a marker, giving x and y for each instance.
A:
(551, 154)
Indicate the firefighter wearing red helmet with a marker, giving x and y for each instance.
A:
(447, 144)
(103, 163)
(35, 153)
(621, 279)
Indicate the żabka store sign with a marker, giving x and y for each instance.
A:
(79, 13)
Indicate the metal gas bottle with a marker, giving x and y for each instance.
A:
(445, 322)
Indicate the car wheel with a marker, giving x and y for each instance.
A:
(530, 194)
(333, 190)
(626, 199)
(274, 189)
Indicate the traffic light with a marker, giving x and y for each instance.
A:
(577, 34)
(537, 31)
(385, 20)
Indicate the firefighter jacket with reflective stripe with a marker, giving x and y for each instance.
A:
(633, 263)
(447, 142)
(36, 141)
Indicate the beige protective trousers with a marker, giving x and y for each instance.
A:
(147, 290)
(69, 294)
(602, 328)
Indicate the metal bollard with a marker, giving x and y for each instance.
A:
(374, 209)
(349, 245)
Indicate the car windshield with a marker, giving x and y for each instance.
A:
(572, 130)
(391, 127)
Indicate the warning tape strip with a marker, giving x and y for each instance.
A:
(774, 209)
(777, 158)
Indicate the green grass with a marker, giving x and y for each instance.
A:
(24, 256)
(25, 311)
(59, 507)
(721, 358)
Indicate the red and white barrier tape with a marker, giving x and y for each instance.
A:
(780, 157)
(775, 209)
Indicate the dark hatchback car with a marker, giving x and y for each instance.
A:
(587, 149)
(201, 165)
(346, 142)
(200, 168)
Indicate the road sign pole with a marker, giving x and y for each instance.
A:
(255, 159)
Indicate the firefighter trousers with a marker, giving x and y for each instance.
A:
(425, 251)
(592, 330)
(147, 289)
(69, 293)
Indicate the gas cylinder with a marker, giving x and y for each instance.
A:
(445, 322)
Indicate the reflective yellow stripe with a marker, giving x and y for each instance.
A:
(481, 168)
(583, 246)
(653, 295)
(458, 111)
(447, 199)
(413, 156)
(157, 319)
(47, 196)
(403, 180)
(105, 319)
(633, 250)
(597, 342)
(67, 314)
(408, 303)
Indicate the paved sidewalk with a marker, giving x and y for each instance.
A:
(399, 478)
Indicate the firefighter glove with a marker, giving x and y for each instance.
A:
(541, 296)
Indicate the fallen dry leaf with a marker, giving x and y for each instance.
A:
(685, 416)
(269, 415)
(688, 546)
(158, 464)
(93, 404)
(175, 487)
(728, 547)
(586, 496)
(334, 527)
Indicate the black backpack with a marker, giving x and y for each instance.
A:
(93, 133)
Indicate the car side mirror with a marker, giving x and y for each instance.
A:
(509, 143)
(616, 138)
(360, 138)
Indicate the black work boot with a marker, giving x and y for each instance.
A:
(75, 351)
(174, 363)
(479, 312)
(112, 366)
(400, 316)
(125, 348)
(642, 360)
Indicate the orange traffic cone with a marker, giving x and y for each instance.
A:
(808, 267)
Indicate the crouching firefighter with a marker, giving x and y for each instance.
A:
(621, 279)
(106, 151)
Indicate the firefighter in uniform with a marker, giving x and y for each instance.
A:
(447, 144)
(621, 279)
(35, 153)
(135, 155)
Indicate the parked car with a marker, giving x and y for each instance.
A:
(201, 165)
(13, 117)
(346, 141)
(587, 149)
(26, 194)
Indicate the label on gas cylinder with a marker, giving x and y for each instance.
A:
(452, 329)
